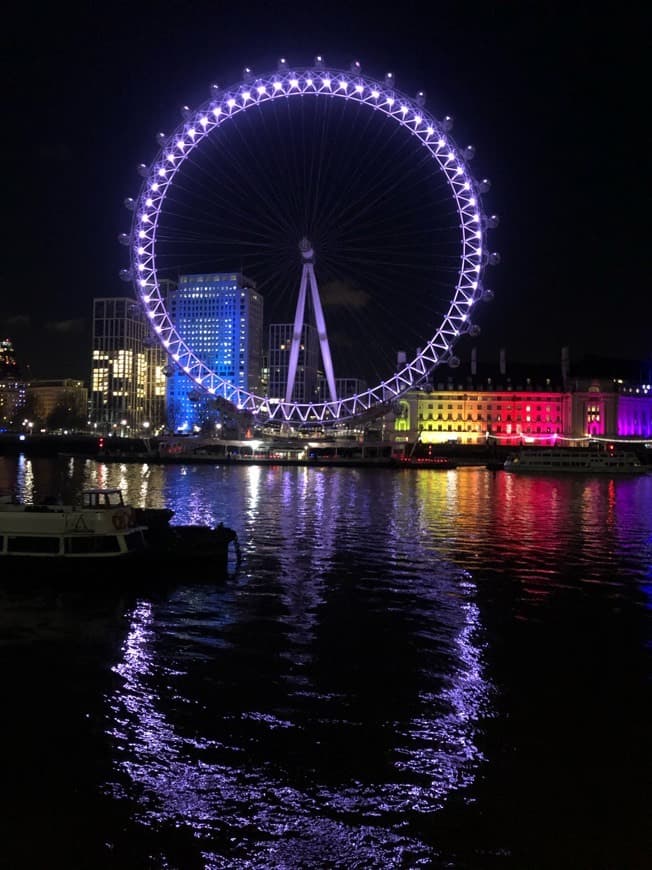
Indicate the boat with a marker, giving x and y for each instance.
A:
(577, 460)
(102, 535)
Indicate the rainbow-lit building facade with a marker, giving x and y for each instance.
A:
(528, 407)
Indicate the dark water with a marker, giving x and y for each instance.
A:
(412, 669)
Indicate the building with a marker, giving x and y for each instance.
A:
(8, 365)
(610, 407)
(522, 405)
(475, 415)
(127, 383)
(634, 415)
(58, 403)
(13, 389)
(220, 316)
(308, 375)
(344, 388)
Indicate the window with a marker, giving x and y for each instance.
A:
(93, 544)
(32, 544)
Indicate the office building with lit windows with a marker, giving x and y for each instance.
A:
(306, 383)
(220, 316)
(344, 387)
(127, 384)
(12, 387)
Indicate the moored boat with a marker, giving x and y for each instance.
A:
(101, 536)
(577, 460)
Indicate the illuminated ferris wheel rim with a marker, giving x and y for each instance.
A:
(285, 83)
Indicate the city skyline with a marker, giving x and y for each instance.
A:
(528, 87)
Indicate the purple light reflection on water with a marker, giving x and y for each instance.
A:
(408, 671)
(256, 774)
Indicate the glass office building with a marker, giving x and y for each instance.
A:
(220, 316)
(127, 385)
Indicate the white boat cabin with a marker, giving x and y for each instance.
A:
(102, 525)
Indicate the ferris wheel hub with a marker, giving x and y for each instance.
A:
(306, 250)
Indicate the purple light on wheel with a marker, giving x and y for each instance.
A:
(409, 114)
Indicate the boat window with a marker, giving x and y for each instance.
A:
(89, 544)
(103, 498)
(32, 544)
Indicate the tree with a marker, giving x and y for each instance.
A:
(67, 414)
(31, 409)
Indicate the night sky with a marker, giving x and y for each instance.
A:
(552, 96)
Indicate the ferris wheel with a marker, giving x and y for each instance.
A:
(416, 235)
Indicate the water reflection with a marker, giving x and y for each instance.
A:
(405, 672)
(321, 701)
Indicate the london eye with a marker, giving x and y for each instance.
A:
(343, 199)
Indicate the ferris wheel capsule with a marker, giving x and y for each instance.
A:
(319, 61)
(469, 152)
(474, 330)
(487, 295)
(124, 239)
(143, 170)
(160, 139)
(186, 113)
(282, 64)
(494, 258)
(492, 221)
(447, 123)
(454, 362)
(129, 203)
(355, 66)
(420, 99)
(484, 185)
(390, 80)
(214, 91)
(126, 274)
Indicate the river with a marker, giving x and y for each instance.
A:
(412, 668)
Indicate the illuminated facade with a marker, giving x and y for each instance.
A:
(473, 416)
(219, 315)
(635, 412)
(127, 386)
(524, 411)
(611, 408)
